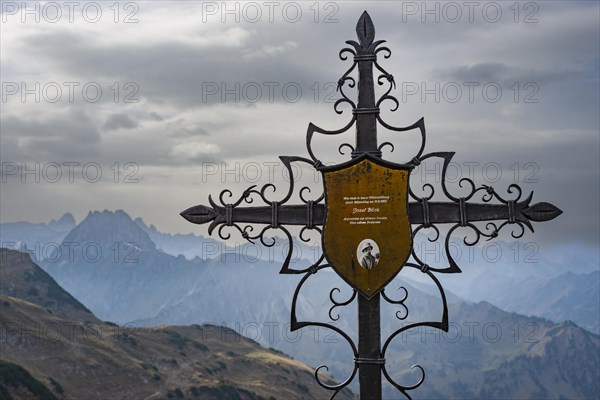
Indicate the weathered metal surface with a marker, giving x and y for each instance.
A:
(367, 236)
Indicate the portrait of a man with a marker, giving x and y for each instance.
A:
(368, 254)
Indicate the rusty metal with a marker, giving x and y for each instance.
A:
(367, 200)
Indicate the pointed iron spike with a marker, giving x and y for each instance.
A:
(187, 214)
(212, 227)
(528, 224)
(212, 202)
(542, 212)
(454, 268)
(365, 30)
(527, 200)
(199, 214)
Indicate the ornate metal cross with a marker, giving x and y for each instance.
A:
(367, 198)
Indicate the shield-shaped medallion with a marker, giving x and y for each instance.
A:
(367, 236)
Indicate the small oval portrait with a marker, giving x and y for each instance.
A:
(368, 254)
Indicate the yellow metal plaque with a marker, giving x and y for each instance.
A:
(367, 236)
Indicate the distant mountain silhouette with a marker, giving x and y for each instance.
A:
(565, 297)
(63, 224)
(108, 227)
(37, 239)
(110, 264)
(190, 246)
(560, 284)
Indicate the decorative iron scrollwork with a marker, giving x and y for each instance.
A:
(425, 212)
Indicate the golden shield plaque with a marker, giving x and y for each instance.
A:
(367, 236)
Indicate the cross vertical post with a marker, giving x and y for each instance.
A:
(369, 347)
(369, 314)
(366, 122)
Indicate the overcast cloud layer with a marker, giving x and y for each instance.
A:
(185, 88)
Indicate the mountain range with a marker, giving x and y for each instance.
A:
(53, 347)
(560, 284)
(143, 285)
(38, 239)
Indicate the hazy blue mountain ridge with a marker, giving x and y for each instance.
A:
(254, 300)
(190, 245)
(110, 264)
(38, 239)
(559, 284)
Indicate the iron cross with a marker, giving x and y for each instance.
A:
(420, 213)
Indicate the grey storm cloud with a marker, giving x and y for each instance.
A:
(507, 75)
(119, 121)
(155, 116)
(177, 125)
(188, 132)
(182, 74)
(67, 136)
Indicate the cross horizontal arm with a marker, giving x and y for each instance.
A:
(424, 212)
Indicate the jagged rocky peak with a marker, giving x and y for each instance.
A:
(144, 226)
(66, 221)
(108, 227)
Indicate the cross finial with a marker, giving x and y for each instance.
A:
(365, 30)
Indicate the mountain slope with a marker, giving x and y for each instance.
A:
(99, 361)
(92, 359)
(566, 354)
(483, 341)
(489, 353)
(21, 278)
(17, 382)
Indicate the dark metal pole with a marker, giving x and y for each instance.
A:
(366, 121)
(369, 324)
(369, 348)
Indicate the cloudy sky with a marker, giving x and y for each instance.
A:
(150, 106)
